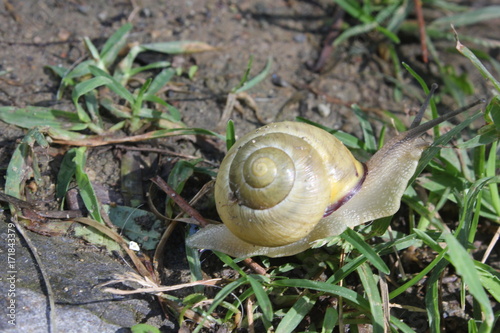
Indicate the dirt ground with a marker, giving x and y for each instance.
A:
(34, 34)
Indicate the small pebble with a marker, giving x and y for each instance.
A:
(102, 16)
(83, 9)
(324, 110)
(63, 35)
(300, 38)
(146, 12)
(278, 81)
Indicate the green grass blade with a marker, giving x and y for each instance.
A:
(432, 297)
(426, 89)
(353, 8)
(177, 47)
(230, 134)
(247, 84)
(65, 175)
(136, 70)
(87, 192)
(429, 153)
(83, 88)
(346, 293)
(396, 322)
(114, 45)
(468, 18)
(160, 81)
(491, 170)
(94, 53)
(347, 269)
(366, 127)
(230, 262)
(490, 279)
(19, 169)
(417, 278)
(193, 259)
(182, 131)
(173, 113)
(296, 314)
(373, 294)
(477, 63)
(262, 298)
(353, 237)
(220, 297)
(330, 320)
(58, 70)
(113, 84)
(33, 116)
(465, 267)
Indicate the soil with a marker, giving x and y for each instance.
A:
(34, 34)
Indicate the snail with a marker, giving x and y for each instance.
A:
(288, 184)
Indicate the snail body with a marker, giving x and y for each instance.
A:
(286, 185)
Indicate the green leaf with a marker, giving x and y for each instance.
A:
(432, 297)
(429, 153)
(373, 294)
(86, 190)
(490, 279)
(296, 314)
(219, 298)
(160, 81)
(138, 225)
(33, 116)
(465, 267)
(177, 47)
(113, 84)
(468, 18)
(330, 320)
(114, 45)
(262, 298)
(368, 135)
(477, 63)
(193, 259)
(417, 278)
(352, 237)
(83, 88)
(247, 84)
(136, 70)
(144, 328)
(230, 135)
(20, 169)
(93, 50)
(346, 293)
(65, 175)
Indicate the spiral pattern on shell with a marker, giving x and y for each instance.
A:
(277, 182)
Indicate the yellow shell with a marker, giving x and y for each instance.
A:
(277, 182)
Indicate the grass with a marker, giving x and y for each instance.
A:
(344, 281)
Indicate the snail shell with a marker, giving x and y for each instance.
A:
(316, 188)
(276, 183)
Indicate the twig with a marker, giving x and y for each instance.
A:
(327, 49)
(384, 292)
(158, 255)
(421, 28)
(251, 326)
(164, 152)
(183, 204)
(492, 244)
(226, 113)
(250, 263)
